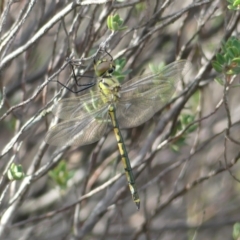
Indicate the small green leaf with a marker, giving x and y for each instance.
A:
(236, 43)
(156, 68)
(236, 231)
(139, 8)
(61, 175)
(227, 61)
(219, 81)
(120, 77)
(236, 60)
(119, 73)
(228, 58)
(110, 22)
(187, 119)
(220, 58)
(181, 141)
(231, 52)
(236, 70)
(236, 51)
(114, 23)
(236, 3)
(217, 66)
(120, 64)
(15, 172)
(175, 148)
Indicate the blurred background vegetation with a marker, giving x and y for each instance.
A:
(185, 158)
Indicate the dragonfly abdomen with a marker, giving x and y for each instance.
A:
(124, 156)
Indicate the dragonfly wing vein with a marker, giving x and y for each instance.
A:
(135, 112)
(79, 132)
(78, 107)
(172, 71)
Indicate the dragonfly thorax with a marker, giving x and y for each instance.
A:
(110, 89)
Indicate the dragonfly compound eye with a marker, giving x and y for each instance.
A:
(111, 69)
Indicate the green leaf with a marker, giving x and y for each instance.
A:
(119, 73)
(140, 7)
(156, 68)
(227, 61)
(236, 43)
(15, 172)
(231, 52)
(236, 3)
(178, 144)
(236, 70)
(114, 23)
(217, 66)
(187, 119)
(120, 77)
(219, 81)
(220, 58)
(236, 51)
(228, 58)
(175, 148)
(61, 175)
(236, 231)
(120, 64)
(236, 60)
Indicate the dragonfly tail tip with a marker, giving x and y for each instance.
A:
(138, 205)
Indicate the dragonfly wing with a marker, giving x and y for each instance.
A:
(141, 99)
(79, 132)
(135, 112)
(167, 78)
(162, 83)
(78, 107)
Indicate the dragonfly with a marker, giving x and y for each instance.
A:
(86, 118)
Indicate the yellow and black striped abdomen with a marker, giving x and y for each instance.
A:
(124, 156)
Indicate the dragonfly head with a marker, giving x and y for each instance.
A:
(104, 67)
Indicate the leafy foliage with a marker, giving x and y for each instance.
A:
(115, 22)
(119, 73)
(15, 172)
(61, 175)
(228, 61)
(234, 4)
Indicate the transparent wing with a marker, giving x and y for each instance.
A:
(166, 79)
(81, 131)
(78, 107)
(142, 98)
(135, 112)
